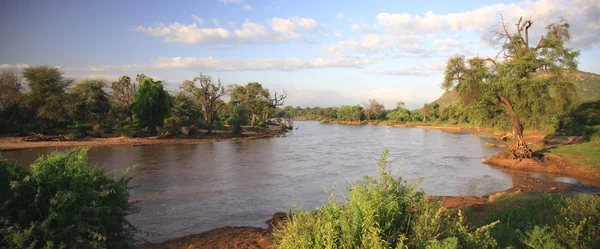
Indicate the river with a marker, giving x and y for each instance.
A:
(188, 189)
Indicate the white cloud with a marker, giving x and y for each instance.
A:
(412, 71)
(372, 43)
(198, 19)
(252, 31)
(582, 15)
(337, 33)
(230, 64)
(361, 27)
(15, 66)
(282, 29)
(289, 28)
(247, 7)
(231, 1)
(187, 34)
(339, 62)
(340, 15)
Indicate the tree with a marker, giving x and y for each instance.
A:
(253, 97)
(372, 108)
(13, 95)
(527, 82)
(273, 104)
(185, 111)
(400, 104)
(151, 104)
(91, 103)
(207, 95)
(48, 87)
(425, 112)
(122, 94)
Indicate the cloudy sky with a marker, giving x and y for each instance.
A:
(324, 53)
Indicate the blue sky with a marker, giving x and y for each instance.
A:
(324, 53)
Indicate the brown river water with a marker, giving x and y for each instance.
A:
(188, 189)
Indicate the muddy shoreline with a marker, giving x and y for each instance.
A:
(256, 237)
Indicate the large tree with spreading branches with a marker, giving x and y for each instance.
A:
(527, 80)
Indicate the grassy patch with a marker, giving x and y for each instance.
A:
(585, 154)
(544, 220)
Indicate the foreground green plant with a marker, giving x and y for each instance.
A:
(382, 213)
(62, 203)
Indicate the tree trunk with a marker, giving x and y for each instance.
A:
(211, 121)
(519, 150)
(21, 117)
(252, 120)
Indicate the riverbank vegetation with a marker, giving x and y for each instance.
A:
(42, 100)
(61, 202)
(385, 212)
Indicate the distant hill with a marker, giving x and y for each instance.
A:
(588, 88)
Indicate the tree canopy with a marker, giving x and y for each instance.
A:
(151, 104)
(526, 82)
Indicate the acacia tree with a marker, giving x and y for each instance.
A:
(151, 104)
(91, 103)
(207, 96)
(48, 94)
(528, 81)
(13, 95)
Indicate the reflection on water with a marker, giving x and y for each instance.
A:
(186, 189)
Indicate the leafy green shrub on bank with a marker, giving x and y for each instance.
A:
(62, 203)
(382, 213)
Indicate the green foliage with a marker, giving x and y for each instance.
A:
(528, 85)
(236, 124)
(47, 94)
(185, 111)
(545, 220)
(578, 121)
(251, 98)
(151, 104)
(91, 104)
(382, 213)
(62, 203)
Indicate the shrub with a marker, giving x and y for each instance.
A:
(381, 213)
(62, 203)
(236, 125)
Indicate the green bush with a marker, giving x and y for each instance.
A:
(62, 203)
(236, 125)
(382, 213)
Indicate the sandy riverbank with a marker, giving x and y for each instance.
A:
(8, 143)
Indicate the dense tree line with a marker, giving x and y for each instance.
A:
(41, 99)
(371, 112)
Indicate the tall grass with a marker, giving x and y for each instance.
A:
(382, 213)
